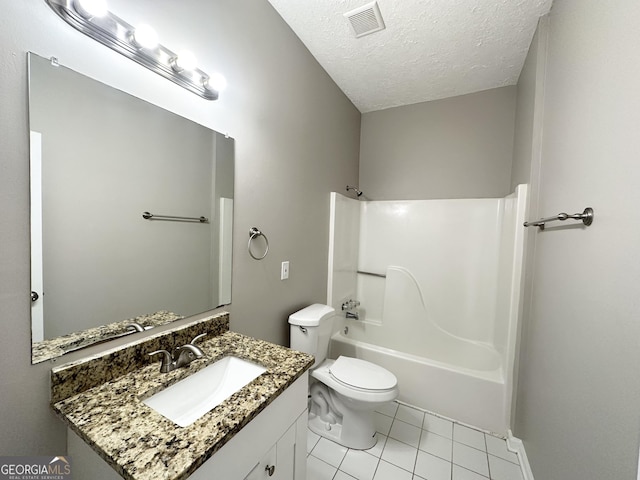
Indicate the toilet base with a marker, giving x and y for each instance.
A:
(361, 439)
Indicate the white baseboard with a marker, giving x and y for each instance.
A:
(516, 446)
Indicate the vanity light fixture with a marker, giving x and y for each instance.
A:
(217, 82)
(140, 44)
(144, 36)
(91, 8)
(184, 62)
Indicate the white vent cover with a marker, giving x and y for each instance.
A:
(366, 19)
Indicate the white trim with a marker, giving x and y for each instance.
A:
(37, 278)
(516, 295)
(225, 250)
(516, 446)
(332, 241)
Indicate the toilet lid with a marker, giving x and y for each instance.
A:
(362, 374)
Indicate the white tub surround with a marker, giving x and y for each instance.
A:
(439, 283)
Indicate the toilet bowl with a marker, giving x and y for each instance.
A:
(345, 392)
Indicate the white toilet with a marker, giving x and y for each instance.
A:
(347, 390)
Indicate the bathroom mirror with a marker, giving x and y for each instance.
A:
(101, 267)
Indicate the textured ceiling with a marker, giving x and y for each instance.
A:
(431, 49)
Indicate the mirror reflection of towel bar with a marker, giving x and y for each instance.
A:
(151, 216)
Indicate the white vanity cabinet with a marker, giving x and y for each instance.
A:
(270, 447)
(279, 462)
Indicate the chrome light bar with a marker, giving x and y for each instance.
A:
(118, 35)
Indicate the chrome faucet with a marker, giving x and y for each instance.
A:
(354, 315)
(187, 354)
(135, 327)
(348, 308)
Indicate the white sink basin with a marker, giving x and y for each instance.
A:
(186, 401)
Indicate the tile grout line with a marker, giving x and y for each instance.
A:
(380, 457)
(415, 462)
(487, 454)
(365, 451)
(452, 444)
(387, 436)
(377, 466)
(413, 472)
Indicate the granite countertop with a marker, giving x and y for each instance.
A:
(56, 347)
(141, 444)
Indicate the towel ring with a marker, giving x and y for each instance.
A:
(254, 232)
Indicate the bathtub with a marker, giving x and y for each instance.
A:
(469, 395)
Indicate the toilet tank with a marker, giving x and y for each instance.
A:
(311, 330)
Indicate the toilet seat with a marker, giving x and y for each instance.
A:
(362, 374)
(366, 395)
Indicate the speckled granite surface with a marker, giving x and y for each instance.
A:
(140, 443)
(55, 347)
(92, 371)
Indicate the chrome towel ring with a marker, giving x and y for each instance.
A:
(254, 232)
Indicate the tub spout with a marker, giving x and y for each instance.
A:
(354, 315)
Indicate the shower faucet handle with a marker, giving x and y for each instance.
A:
(350, 304)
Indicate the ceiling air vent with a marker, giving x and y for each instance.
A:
(365, 20)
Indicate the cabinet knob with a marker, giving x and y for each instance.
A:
(270, 469)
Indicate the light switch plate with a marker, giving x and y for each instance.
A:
(284, 270)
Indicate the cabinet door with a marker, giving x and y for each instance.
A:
(286, 455)
(279, 462)
(266, 465)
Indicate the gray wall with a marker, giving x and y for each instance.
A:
(297, 139)
(528, 120)
(459, 147)
(579, 388)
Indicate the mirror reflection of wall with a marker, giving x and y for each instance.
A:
(107, 157)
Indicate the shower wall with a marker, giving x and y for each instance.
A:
(459, 251)
(449, 246)
(438, 280)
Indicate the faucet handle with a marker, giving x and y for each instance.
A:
(187, 354)
(166, 354)
(167, 360)
(350, 304)
(135, 326)
(197, 337)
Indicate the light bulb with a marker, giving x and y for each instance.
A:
(144, 36)
(91, 8)
(184, 61)
(216, 82)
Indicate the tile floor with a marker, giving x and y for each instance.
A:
(414, 445)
